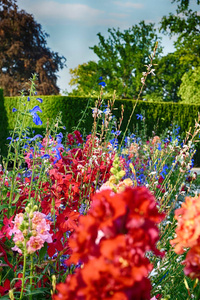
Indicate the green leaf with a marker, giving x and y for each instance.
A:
(16, 199)
(3, 206)
(43, 251)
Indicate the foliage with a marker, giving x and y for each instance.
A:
(189, 88)
(184, 4)
(24, 51)
(84, 77)
(121, 60)
(158, 116)
(77, 212)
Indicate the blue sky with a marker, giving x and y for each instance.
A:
(73, 24)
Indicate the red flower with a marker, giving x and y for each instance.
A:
(111, 241)
(56, 244)
(67, 220)
(7, 226)
(4, 289)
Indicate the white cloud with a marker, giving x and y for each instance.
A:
(129, 4)
(60, 11)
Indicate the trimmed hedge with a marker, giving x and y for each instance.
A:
(158, 115)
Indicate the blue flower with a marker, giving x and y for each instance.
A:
(35, 109)
(100, 78)
(139, 116)
(59, 137)
(39, 145)
(14, 109)
(28, 99)
(39, 99)
(45, 156)
(58, 156)
(159, 147)
(36, 137)
(102, 83)
(36, 118)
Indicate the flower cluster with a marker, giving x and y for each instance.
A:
(188, 235)
(111, 243)
(31, 231)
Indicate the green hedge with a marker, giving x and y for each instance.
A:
(157, 115)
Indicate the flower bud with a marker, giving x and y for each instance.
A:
(31, 215)
(34, 232)
(25, 232)
(27, 209)
(35, 207)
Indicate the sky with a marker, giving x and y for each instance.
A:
(73, 25)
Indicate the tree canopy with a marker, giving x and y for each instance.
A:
(123, 55)
(189, 89)
(122, 58)
(24, 51)
(184, 4)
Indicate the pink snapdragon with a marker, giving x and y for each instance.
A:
(32, 228)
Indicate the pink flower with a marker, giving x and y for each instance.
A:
(38, 217)
(35, 243)
(43, 231)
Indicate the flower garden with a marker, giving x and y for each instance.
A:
(108, 215)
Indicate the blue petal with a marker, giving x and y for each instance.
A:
(45, 156)
(39, 99)
(102, 83)
(35, 109)
(36, 119)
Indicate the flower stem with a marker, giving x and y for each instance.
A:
(24, 270)
(31, 276)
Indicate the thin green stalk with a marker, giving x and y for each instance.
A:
(24, 270)
(31, 277)
(149, 71)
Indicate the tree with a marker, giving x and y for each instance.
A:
(84, 78)
(122, 58)
(189, 89)
(168, 78)
(185, 26)
(24, 51)
(184, 4)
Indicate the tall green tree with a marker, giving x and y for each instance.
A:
(168, 79)
(24, 51)
(185, 26)
(84, 79)
(122, 58)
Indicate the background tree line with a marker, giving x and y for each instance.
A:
(123, 55)
(121, 58)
